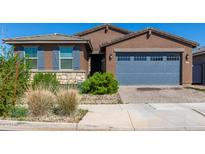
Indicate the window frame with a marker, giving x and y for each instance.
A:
(32, 58)
(70, 58)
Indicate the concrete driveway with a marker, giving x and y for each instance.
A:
(162, 94)
(153, 116)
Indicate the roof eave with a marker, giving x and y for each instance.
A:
(198, 53)
(101, 27)
(13, 42)
(44, 41)
(192, 43)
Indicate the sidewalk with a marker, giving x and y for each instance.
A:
(106, 117)
(154, 116)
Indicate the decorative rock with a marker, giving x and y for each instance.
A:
(100, 99)
(66, 77)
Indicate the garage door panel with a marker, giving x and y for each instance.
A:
(148, 79)
(155, 69)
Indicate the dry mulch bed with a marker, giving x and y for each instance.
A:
(100, 99)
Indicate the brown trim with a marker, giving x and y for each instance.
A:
(149, 49)
(48, 42)
(43, 41)
(48, 39)
(58, 71)
(150, 31)
(109, 26)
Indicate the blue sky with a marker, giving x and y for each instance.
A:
(191, 31)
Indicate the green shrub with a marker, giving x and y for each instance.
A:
(39, 100)
(14, 79)
(70, 86)
(67, 100)
(56, 110)
(46, 80)
(19, 111)
(100, 83)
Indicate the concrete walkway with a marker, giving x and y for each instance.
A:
(152, 116)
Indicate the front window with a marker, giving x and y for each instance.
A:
(31, 56)
(66, 57)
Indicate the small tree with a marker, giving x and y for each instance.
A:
(14, 77)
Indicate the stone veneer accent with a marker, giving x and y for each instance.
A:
(64, 76)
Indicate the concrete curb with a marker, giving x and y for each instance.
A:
(28, 125)
(51, 126)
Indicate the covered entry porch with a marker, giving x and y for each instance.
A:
(97, 63)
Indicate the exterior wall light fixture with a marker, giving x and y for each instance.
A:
(187, 57)
(110, 57)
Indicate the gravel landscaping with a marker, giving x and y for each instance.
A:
(100, 99)
(80, 113)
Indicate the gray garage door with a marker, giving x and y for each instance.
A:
(148, 68)
(197, 74)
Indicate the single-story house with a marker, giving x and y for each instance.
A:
(199, 66)
(147, 57)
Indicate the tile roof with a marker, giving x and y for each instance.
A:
(101, 27)
(131, 35)
(46, 37)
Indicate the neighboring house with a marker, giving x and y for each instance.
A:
(199, 66)
(146, 57)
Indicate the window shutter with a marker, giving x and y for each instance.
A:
(40, 61)
(76, 58)
(55, 58)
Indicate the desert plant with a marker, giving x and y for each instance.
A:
(46, 80)
(14, 79)
(39, 100)
(67, 100)
(100, 83)
(19, 111)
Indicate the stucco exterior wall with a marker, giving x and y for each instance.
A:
(101, 36)
(154, 41)
(84, 59)
(48, 56)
